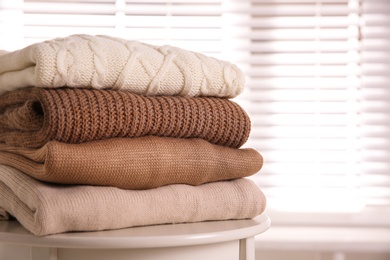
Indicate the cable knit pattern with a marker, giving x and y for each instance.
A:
(126, 162)
(45, 209)
(103, 62)
(32, 117)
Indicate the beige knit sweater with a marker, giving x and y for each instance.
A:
(104, 62)
(133, 163)
(45, 209)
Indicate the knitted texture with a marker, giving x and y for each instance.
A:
(45, 209)
(4, 215)
(32, 117)
(133, 163)
(103, 62)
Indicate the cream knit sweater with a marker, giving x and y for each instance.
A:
(104, 62)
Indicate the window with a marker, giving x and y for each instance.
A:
(317, 73)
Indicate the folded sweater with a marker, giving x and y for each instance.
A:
(31, 117)
(45, 209)
(104, 62)
(133, 163)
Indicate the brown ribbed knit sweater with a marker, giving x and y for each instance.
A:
(133, 163)
(32, 117)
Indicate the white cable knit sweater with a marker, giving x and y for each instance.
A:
(104, 62)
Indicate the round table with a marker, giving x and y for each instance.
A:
(232, 239)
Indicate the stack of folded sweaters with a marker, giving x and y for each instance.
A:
(102, 133)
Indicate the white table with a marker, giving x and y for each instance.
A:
(226, 240)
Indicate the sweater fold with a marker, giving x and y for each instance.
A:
(46, 209)
(133, 163)
(34, 116)
(103, 62)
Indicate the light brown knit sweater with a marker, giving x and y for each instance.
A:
(133, 163)
(45, 209)
(32, 117)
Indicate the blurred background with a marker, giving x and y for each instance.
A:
(316, 90)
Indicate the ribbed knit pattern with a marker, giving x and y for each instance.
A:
(32, 117)
(45, 209)
(133, 163)
(102, 62)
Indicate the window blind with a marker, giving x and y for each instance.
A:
(375, 106)
(316, 74)
(304, 92)
(195, 25)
